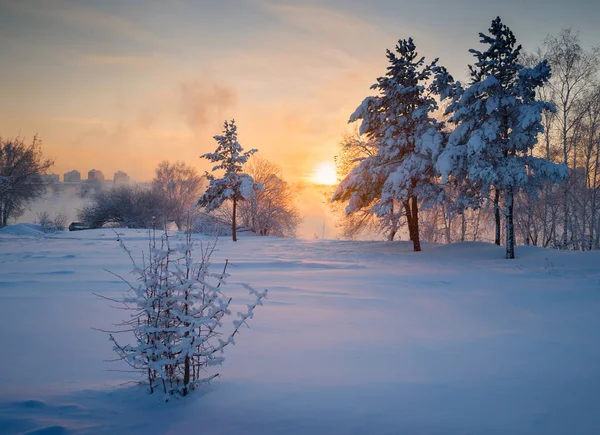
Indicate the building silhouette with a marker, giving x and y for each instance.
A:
(121, 178)
(95, 176)
(72, 177)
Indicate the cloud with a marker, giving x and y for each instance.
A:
(71, 13)
(78, 121)
(204, 103)
(108, 59)
(320, 20)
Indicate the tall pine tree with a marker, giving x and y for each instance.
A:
(498, 119)
(409, 139)
(234, 185)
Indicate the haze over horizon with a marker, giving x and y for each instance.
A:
(122, 86)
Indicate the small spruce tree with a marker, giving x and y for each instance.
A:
(234, 185)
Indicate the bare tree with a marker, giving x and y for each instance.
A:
(360, 217)
(542, 212)
(180, 185)
(573, 74)
(588, 183)
(272, 211)
(21, 167)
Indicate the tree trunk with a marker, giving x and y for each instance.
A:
(497, 215)
(393, 225)
(417, 241)
(412, 214)
(408, 214)
(548, 124)
(594, 191)
(391, 235)
(233, 223)
(510, 229)
(446, 219)
(545, 218)
(476, 229)
(186, 375)
(409, 218)
(565, 235)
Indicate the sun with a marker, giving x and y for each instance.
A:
(324, 173)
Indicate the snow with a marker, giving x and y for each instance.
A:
(23, 229)
(354, 338)
(247, 187)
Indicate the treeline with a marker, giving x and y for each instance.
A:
(514, 158)
(265, 206)
(239, 193)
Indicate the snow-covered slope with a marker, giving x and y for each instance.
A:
(356, 338)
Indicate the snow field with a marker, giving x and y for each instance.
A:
(355, 338)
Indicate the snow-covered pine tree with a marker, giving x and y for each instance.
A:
(234, 185)
(177, 307)
(498, 119)
(408, 137)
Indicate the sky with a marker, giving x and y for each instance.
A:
(122, 85)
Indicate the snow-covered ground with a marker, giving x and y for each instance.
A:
(356, 338)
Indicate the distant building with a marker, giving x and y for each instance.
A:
(121, 178)
(50, 178)
(95, 176)
(72, 177)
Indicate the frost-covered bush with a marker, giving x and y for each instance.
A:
(209, 223)
(177, 309)
(127, 206)
(56, 223)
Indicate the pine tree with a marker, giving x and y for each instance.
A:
(408, 137)
(498, 119)
(234, 185)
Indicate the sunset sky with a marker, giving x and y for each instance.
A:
(125, 84)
